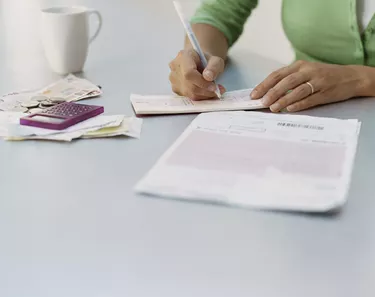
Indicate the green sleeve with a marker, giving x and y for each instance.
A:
(228, 16)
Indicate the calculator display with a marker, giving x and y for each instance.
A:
(41, 118)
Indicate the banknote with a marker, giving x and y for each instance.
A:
(70, 88)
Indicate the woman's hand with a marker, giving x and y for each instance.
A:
(305, 84)
(189, 79)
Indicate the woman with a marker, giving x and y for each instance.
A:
(334, 43)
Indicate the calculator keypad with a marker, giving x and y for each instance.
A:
(67, 109)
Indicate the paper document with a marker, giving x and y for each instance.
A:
(130, 126)
(13, 101)
(94, 123)
(9, 118)
(98, 127)
(235, 100)
(258, 160)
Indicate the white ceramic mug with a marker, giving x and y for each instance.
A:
(65, 37)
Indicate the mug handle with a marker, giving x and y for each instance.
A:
(97, 13)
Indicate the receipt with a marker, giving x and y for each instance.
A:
(259, 160)
(7, 118)
(130, 126)
(97, 127)
(14, 100)
(92, 124)
(235, 100)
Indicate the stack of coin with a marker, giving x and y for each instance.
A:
(38, 103)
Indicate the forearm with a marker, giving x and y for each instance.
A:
(211, 40)
(366, 81)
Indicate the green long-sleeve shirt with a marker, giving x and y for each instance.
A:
(319, 30)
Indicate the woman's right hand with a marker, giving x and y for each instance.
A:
(189, 79)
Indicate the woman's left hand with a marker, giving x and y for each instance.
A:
(306, 84)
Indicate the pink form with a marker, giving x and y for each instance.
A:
(252, 155)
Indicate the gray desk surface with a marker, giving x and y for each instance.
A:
(70, 224)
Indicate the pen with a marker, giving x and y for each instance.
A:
(193, 40)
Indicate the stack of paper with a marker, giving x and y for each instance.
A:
(70, 88)
(100, 126)
(258, 160)
(235, 100)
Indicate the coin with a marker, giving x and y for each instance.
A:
(18, 109)
(30, 104)
(35, 110)
(57, 100)
(39, 98)
(46, 104)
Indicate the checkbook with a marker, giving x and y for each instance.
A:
(172, 104)
(259, 160)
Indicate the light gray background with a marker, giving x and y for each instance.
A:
(70, 224)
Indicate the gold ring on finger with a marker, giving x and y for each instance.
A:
(311, 87)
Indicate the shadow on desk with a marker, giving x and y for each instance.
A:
(245, 70)
(329, 215)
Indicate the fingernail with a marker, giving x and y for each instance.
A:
(275, 107)
(208, 74)
(290, 108)
(212, 88)
(254, 94)
(264, 100)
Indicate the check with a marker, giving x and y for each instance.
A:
(170, 104)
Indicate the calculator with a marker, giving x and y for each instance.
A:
(62, 116)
